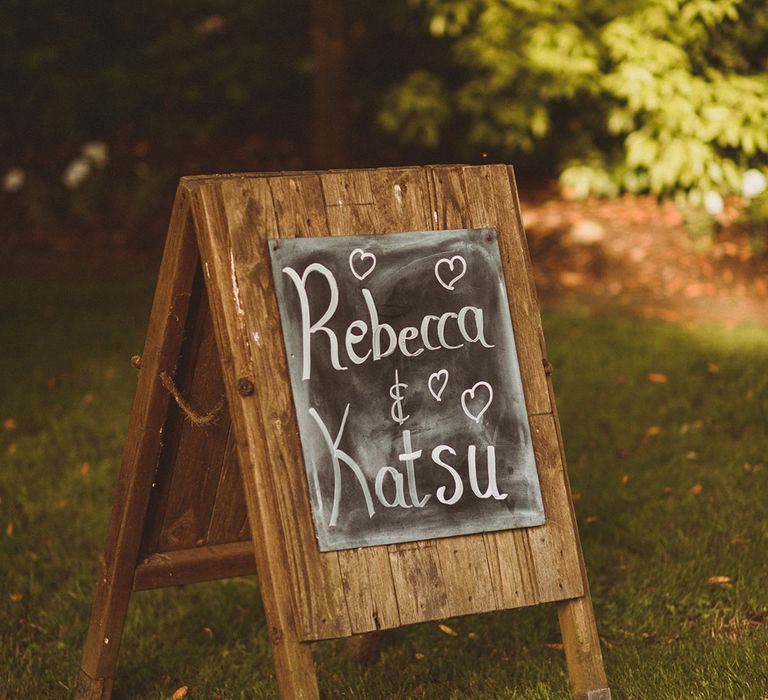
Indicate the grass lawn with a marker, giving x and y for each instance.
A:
(670, 479)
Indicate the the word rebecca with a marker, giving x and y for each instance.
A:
(363, 341)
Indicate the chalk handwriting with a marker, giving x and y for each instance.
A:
(456, 262)
(358, 256)
(481, 404)
(406, 386)
(397, 406)
(434, 381)
(373, 340)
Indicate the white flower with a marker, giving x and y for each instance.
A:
(14, 180)
(97, 152)
(752, 183)
(77, 170)
(713, 203)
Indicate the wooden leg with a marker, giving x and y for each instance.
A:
(582, 649)
(97, 671)
(363, 648)
(294, 668)
(140, 454)
(88, 688)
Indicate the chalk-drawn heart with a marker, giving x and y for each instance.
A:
(357, 260)
(480, 402)
(434, 381)
(447, 266)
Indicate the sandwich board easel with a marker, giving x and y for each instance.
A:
(213, 497)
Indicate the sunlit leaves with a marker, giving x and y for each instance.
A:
(655, 100)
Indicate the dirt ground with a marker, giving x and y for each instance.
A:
(636, 254)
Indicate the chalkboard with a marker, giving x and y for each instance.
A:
(406, 385)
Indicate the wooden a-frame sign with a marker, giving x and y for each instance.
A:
(198, 502)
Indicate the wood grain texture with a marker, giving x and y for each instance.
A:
(294, 668)
(469, 586)
(142, 446)
(198, 495)
(452, 207)
(581, 644)
(183, 566)
(348, 199)
(347, 187)
(245, 279)
(469, 197)
(172, 427)
(197, 461)
(229, 517)
(419, 582)
(480, 196)
(369, 589)
(554, 547)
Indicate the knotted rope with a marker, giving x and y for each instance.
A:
(201, 420)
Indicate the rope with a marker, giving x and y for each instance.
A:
(201, 420)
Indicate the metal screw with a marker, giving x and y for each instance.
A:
(245, 386)
(136, 361)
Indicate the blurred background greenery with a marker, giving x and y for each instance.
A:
(105, 105)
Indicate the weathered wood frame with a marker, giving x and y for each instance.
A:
(215, 328)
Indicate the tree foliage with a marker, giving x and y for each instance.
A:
(665, 96)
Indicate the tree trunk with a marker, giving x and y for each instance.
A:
(330, 118)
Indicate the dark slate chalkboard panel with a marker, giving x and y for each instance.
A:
(406, 384)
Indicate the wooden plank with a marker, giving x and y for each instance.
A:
(299, 206)
(294, 668)
(554, 547)
(369, 589)
(198, 458)
(348, 187)
(520, 262)
(511, 565)
(470, 197)
(402, 200)
(194, 565)
(581, 644)
(481, 196)
(466, 563)
(298, 209)
(161, 488)
(449, 198)
(368, 582)
(142, 446)
(348, 198)
(419, 582)
(466, 575)
(229, 518)
(248, 219)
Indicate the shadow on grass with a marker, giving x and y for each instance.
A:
(670, 479)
